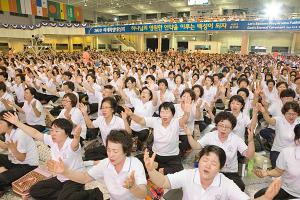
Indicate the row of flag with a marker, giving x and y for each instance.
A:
(43, 8)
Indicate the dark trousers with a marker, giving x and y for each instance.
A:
(273, 157)
(268, 134)
(97, 153)
(171, 164)
(13, 172)
(93, 108)
(282, 194)
(45, 98)
(52, 189)
(184, 144)
(142, 137)
(236, 179)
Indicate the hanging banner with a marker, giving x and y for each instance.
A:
(262, 25)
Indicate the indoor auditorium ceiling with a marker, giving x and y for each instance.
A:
(130, 7)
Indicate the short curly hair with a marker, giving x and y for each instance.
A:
(122, 137)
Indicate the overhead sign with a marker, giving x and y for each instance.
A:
(261, 25)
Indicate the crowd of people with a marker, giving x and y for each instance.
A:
(149, 105)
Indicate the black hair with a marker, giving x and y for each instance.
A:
(111, 101)
(190, 91)
(167, 106)
(164, 81)
(92, 76)
(31, 90)
(64, 124)
(150, 92)
(22, 77)
(2, 113)
(151, 77)
(117, 72)
(237, 98)
(70, 85)
(297, 132)
(131, 79)
(68, 74)
(2, 86)
(110, 87)
(243, 80)
(72, 97)
(245, 90)
(278, 84)
(121, 137)
(200, 88)
(288, 93)
(291, 106)
(224, 115)
(216, 150)
(270, 81)
(4, 74)
(181, 78)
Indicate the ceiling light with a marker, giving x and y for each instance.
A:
(150, 2)
(273, 10)
(85, 3)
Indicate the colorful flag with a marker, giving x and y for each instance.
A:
(28, 10)
(53, 10)
(5, 5)
(70, 13)
(41, 7)
(13, 6)
(63, 11)
(78, 14)
(23, 6)
(33, 7)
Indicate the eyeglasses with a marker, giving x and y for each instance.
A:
(105, 108)
(291, 114)
(222, 126)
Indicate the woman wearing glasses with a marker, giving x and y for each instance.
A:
(62, 148)
(229, 142)
(106, 122)
(284, 128)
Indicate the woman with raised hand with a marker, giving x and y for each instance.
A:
(166, 130)
(123, 175)
(205, 182)
(287, 167)
(284, 126)
(230, 142)
(22, 154)
(62, 147)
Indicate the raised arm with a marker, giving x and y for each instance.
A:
(76, 139)
(27, 129)
(194, 144)
(187, 110)
(270, 120)
(88, 121)
(140, 120)
(157, 178)
(59, 167)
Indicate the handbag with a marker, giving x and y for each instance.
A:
(23, 184)
(153, 192)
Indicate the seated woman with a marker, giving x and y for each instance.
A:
(105, 122)
(230, 142)
(63, 148)
(22, 154)
(33, 110)
(284, 126)
(205, 182)
(123, 175)
(71, 113)
(287, 166)
(166, 130)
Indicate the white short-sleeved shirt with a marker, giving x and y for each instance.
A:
(191, 121)
(115, 123)
(30, 116)
(231, 146)
(19, 91)
(289, 161)
(242, 121)
(284, 133)
(114, 181)
(93, 96)
(77, 118)
(209, 94)
(166, 139)
(6, 96)
(129, 94)
(141, 109)
(222, 188)
(25, 145)
(72, 159)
